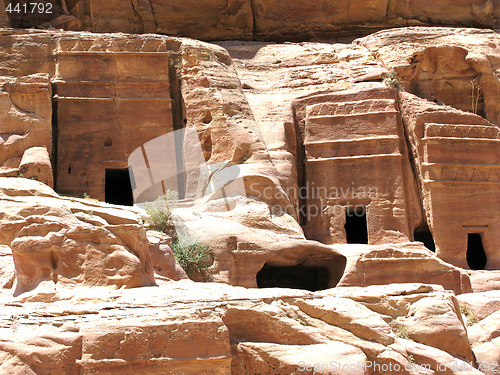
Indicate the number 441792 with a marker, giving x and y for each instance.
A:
(30, 8)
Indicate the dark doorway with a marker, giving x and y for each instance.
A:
(294, 277)
(356, 228)
(424, 235)
(476, 257)
(118, 189)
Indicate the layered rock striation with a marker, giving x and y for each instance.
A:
(254, 19)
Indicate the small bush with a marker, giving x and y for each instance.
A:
(160, 217)
(402, 332)
(471, 318)
(411, 360)
(302, 321)
(392, 80)
(476, 95)
(195, 258)
(192, 256)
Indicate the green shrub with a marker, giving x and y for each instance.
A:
(192, 256)
(402, 332)
(471, 318)
(392, 79)
(160, 217)
(195, 258)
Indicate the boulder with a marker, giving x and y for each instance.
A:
(484, 337)
(36, 164)
(428, 359)
(162, 257)
(332, 358)
(481, 305)
(436, 321)
(68, 241)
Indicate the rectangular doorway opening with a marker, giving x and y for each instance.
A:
(356, 227)
(476, 256)
(423, 234)
(118, 189)
(293, 277)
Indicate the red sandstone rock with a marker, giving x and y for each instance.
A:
(71, 242)
(162, 257)
(437, 322)
(191, 328)
(246, 19)
(283, 115)
(484, 337)
(26, 108)
(36, 164)
(332, 358)
(7, 269)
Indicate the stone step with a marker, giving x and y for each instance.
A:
(462, 150)
(461, 131)
(351, 108)
(353, 147)
(461, 172)
(351, 126)
(109, 89)
(353, 158)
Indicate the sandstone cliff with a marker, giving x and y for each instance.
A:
(364, 173)
(256, 19)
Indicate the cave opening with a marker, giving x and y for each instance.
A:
(476, 256)
(356, 227)
(424, 235)
(294, 277)
(118, 188)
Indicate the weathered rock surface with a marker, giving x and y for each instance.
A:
(374, 265)
(438, 324)
(438, 64)
(483, 281)
(7, 269)
(485, 339)
(289, 118)
(268, 110)
(193, 328)
(162, 257)
(248, 19)
(25, 104)
(68, 241)
(36, 165)
(481, 305)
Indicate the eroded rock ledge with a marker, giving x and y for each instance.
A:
(194, 328)
(258, 19)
